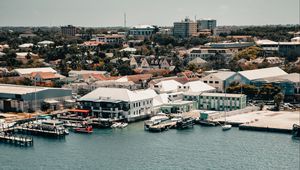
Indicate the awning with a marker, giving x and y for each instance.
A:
(70, 101)
(79, 111)
(51, 101)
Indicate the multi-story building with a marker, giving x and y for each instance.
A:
(16, 98)
(210, 24)
(111, 39)
(142, 30)
(218, 80)
(185, 28)
(289, 85)
(119, 103)
(217, 101)
(230, 45)
(69, 30)
(208, 53)
(283, 48)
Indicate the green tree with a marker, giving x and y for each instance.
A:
(249, 53)
(125, 69)
(192, 67)
(82, 91)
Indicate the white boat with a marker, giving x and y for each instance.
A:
(66, 131)
(116, 125)
(226, 127)
(68, 124)
(123, 125)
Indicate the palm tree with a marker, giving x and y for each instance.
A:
(278, 98)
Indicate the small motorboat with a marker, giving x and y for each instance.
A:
(296, 131)
(116, 125)
(66, 131)
(123, 125)
(68, 124)
(83, 129)
(226, 127)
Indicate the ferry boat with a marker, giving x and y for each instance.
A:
(296, 131)
(52, 125)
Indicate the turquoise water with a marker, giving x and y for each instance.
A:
(133, 148)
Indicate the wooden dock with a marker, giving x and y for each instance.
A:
(40, 132)
(162, 126)
(265, 129)
(16, 140)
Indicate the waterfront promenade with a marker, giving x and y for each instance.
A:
(281, 121)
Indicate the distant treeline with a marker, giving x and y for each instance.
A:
(275, 33)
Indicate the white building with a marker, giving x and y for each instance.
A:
(76, 73)
(196, 87)
(166, 86)
(45, 43)
(26, 45)
(267, 45)
(129, 50)
(207, 53)
(111, 39)
(28, 71)
(119, 103)
(218, 79)
(142, 30)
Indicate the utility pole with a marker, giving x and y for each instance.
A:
(35, 103)
(124, 20)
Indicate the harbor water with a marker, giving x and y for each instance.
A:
(133, 148)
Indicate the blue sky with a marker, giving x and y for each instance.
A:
(97, 13)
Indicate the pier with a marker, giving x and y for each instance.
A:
(269, 121)
(40, 132)
(16, 140)
(162, 126)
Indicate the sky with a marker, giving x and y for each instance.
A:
(101, 13)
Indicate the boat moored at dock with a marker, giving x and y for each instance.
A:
(100, 122)
(185, 122)
(119, 125)
(154, 121)
(206, 123)
(83, 128)
(296, 131)
(43, 128)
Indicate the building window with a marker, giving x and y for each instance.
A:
(211, 82)
(205, 81)
(216, 82)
